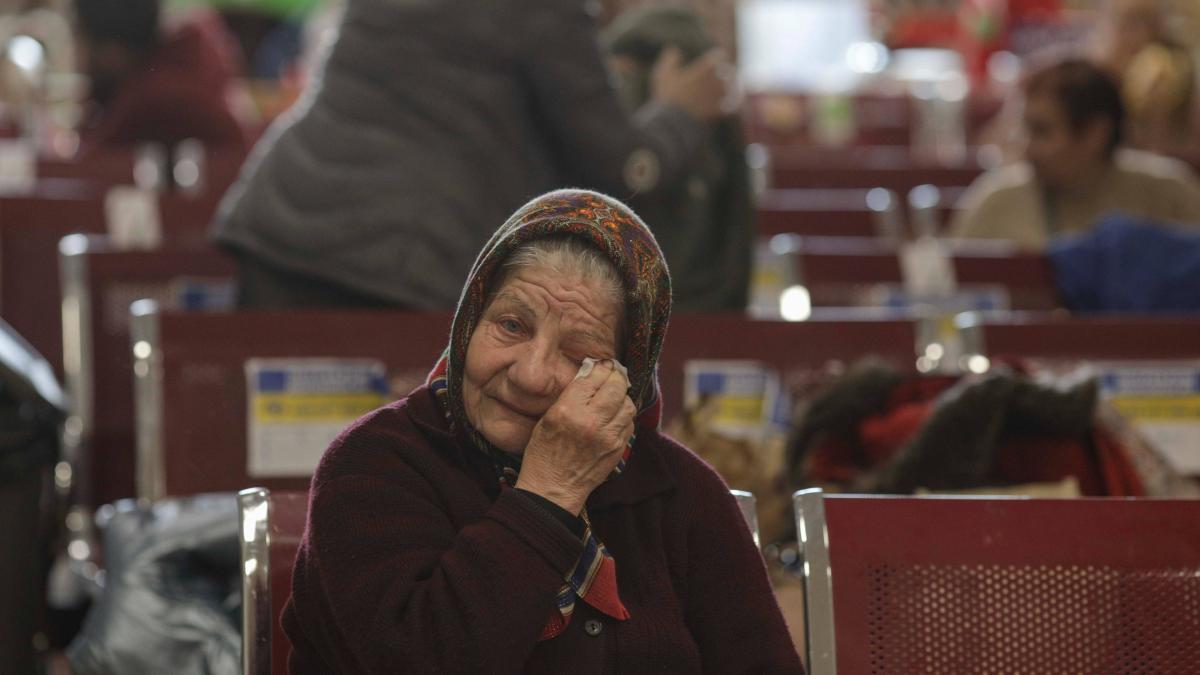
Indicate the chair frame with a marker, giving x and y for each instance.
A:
(148, 399)
(77, 347)
(813, 536)
(254, 512)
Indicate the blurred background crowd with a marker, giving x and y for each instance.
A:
(915, 245)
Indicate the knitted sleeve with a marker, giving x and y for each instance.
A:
(385, 583)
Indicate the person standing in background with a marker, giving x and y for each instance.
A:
(705, 224)
(430, 122)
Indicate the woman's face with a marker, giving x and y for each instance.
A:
(1061, 156)
(527, 347)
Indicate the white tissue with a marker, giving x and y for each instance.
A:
(585, 368)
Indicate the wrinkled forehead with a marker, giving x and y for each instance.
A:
(582, 307)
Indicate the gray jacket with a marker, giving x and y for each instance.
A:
(432, 122)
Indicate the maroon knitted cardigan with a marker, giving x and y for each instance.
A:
(413, 561)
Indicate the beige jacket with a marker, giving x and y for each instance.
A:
(1007, 203)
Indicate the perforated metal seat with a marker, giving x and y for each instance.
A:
(988, 585)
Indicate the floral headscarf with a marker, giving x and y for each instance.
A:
(616, 232)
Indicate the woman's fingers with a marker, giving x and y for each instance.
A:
(622, 423)
(579, 441)
(607, 399)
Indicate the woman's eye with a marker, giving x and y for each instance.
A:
(510, 325)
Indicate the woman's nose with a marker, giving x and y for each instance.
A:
(536, 371)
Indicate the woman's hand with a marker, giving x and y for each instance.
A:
(580, 439)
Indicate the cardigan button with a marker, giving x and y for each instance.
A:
(593, 627)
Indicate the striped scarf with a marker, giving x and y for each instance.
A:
(618, 233)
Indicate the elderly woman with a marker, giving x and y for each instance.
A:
(522, 512)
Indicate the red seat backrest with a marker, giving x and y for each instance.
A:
(1083, 337)
(816, 212)
(101, 283)
(30, 231)
(116, 167)
(787, 346)
(999, 585)
(806, 166)
(198, 381)
(836, 270)
(198, 386)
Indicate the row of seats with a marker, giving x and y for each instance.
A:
(99, 280)
(32, 225)
(856, 212)
(184, 408)
(908, 585)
